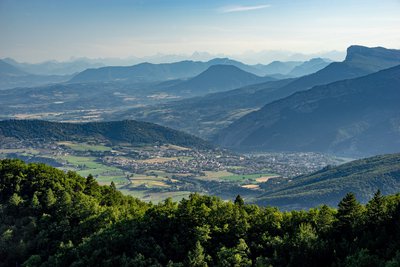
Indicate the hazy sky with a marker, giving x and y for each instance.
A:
(37, 30)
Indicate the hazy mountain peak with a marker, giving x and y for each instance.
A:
(319, 59)
(382, 53)
(217, 78)
(221, 61)
(8, 69)
(311, 66)
(223, 67)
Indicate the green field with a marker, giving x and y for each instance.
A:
(85, 147)
(103, 173)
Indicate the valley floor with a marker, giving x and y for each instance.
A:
(154, 173)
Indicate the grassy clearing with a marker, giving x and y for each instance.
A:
(216, 175)
(85, 147)
(175, 147)
(150, 180)
(266, 178)
(148, 183)
(228, 176)
(251, 186)
(103, 173)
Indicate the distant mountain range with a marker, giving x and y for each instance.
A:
(290, 69)
(351, 117)
(87, 70)
(327, 186)
(7, 69)
(11, 77)
(120, 95)
(279, 67)
(147, 72)
(133, 132)
(55, 67)
(206, 115)
(359, 61)
(309, 67)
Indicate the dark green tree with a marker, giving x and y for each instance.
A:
(376, 208)
(239, 200)
(91, 186)
(349, 212)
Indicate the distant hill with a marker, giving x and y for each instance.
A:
(55, 67)
(133, 132)
(309, 67)
(11, 77)
(147, 72)
(7, 69)
(327, 186)
(254, 69)
(216, 78)
(351, 117)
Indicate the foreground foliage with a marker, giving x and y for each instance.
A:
(52, 218)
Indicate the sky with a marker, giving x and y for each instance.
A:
(38, 30)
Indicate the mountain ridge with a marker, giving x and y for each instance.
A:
(134, 132)
(155, 72)
(240, 102)
(340, 117)
(309, 67)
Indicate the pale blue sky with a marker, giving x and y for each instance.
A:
(37, 30)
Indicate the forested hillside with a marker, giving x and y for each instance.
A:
(134, 132)
(362, 177)
(52, 218)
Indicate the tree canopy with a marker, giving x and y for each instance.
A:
(52, 218)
